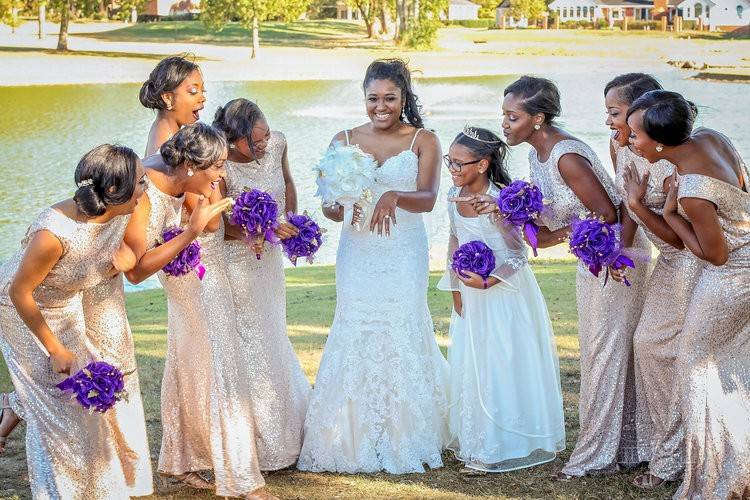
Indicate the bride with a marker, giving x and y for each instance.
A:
(379, 402)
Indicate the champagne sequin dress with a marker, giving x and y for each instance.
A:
(657, 338)
(608, 316)
(71, 454)
(278, 387)
(715, 360)
(206, 410)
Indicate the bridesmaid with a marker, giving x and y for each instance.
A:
(175, 90)
(278, 387)
(657, 338)
(574, 181)
(708, 207)
(71, 246)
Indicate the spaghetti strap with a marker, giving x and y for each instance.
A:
(346, 133)
(411, 146)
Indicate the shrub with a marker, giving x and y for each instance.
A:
(471, 23)
(421, 35)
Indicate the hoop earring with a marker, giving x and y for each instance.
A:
(659, 148)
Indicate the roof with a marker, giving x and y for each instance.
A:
(463, 2)
(629, 3)
(505, 4)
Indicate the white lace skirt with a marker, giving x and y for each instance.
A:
(379, 402)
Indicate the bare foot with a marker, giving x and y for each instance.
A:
(648, 481)
(193, 480)
(8, 421)
(260, 494)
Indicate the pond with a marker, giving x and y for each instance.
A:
(44, 130)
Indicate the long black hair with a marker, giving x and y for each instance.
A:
(631, 86)
(397, 71)
(165, 77)
(484, 143)
(105, 176)
(538, 95)
(237, 118)
(668, 117)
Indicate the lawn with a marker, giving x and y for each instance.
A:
(310, 297)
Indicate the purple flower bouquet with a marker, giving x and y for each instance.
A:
(256, 212)
(521, 203)
(474, 256)
(189, 258)
(597, 244)
(97, 387)
(307, 242)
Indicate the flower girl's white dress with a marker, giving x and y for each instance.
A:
(506, 408)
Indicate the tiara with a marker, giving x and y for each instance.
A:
(85, 182)
(471, 133)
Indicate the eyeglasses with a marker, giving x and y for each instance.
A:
(455, 165)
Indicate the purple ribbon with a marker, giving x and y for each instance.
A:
(530, 229)
(200, 270)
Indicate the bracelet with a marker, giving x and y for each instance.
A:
(484, 282)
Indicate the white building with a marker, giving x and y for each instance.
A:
(461, 10)
(503, 11)
(591, 10)
(724, 15)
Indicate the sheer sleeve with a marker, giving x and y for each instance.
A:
(449, 282)
(515, 253)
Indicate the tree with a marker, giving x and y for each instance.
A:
(530, 9)
(368, 10)
(9, 13)
(487, 8)
(250, 13)
(62, 37)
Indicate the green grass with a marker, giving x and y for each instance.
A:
(311, 298)
(91, 53)
(312, 34)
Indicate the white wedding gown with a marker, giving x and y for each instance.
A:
(379, 402)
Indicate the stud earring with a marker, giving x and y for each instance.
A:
(169, 106)
(659, 148)
(537, 126)
(190, 172)
(232, 146)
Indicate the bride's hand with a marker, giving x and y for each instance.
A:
(385, 213)
(286, 231)
(357, 214)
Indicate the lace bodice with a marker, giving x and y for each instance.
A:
(564, 204)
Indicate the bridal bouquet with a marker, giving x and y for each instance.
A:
(189, 258)
(345, 176)
(521, 203)
(597, 244)
(97, 387)
(256, 212)
(307, 241)
(474, 256)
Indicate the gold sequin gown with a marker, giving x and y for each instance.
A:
(715, 360)
(71, 454)
(278, 387)
(608, 316)
(206, 409)
(657, 338)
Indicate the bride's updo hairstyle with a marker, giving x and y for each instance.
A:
(538, 95)
(237, 118)
(105, 176)
(397, 72)
(484, 143)
(668, 117)
(165, 77)
(197, 145)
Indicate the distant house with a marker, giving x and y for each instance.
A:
(503, 11)
(609, 10)
(162, 8)
(461, 10)
(718, 15)
(345, 11)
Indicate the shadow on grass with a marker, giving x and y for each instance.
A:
(95, 53)
(309, 34)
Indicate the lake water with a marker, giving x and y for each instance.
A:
(45, 130)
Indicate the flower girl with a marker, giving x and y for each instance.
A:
(506, 403)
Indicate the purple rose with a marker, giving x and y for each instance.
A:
(97, 387)
(597, 244)
(521, 203)
(474, 256)
(187, 260)
(308, 239)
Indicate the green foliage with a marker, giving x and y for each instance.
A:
(421, 35)
(6, 12)
(216, 13)
(487, 8)
(530, 9)
(472, 23)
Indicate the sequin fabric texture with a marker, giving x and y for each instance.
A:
(70, 453)
(658, 336)
(608, 316)
(715, 361)
(277, 385)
